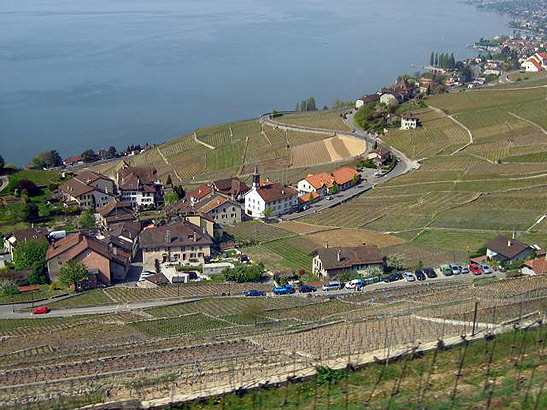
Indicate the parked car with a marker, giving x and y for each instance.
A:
(355, 284)
(332, 286)
(40, 310)
(430, 272)
(464, 269)
(485, 268)
(455, 269)
(446, 270)
(475, 269)
(420, 275)
(329, 197)
(409, 276)
(307, 289)
(284, 290)
(255, 293)
(393, 277)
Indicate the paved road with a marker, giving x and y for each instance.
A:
(403, 166)
(3, 182)
(15, 311)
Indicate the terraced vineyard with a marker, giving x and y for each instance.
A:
(196, 346)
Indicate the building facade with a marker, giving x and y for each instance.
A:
(267, 199)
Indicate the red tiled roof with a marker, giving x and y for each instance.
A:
(344, 175)
(318, 181)
(200, 192)
(538, 265)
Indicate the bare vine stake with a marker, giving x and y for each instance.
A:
(490, 358)
(429, 374)
(475, 318)
(397, 385)
(459, 374)
(519, 360)
(491, 394)
(539, 394)
(540, 339)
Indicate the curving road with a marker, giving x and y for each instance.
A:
(4, 181)
(403, 166)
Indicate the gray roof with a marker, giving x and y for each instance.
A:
(349, 256)
(181, 233)
(506, 247)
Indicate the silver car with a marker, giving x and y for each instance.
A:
(464, 269)
(455, 269)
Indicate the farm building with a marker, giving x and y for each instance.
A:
(380, 156)
(180, 241)
(409, 121)
(536, 266)
(535, 63)
(323, 184)
(329, 262)
(269, 197)
(367, 99)
(233, 188)
(504, 249)
(219, 208)
(110, 263)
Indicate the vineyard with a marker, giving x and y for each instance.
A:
(214, 345)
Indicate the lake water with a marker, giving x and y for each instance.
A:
(77, 74)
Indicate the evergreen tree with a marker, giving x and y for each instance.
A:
(169, 180)
(436, 59)
(112, 152)
(432, 59)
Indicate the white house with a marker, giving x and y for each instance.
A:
(139, 186)
(408, 121)
(535, 63)
(366, 99)
(276, 198)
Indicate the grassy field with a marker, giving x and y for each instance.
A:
(457, 200)
(43, 293)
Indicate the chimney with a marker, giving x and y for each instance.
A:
(326, 245)
(195, 237)
(509, 242)
(267, 179)
(167, 236)
(339, 255)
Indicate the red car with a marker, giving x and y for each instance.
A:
(40, 310)
(475, 269)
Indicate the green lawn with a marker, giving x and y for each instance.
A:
(91, 298)
(317, 119)
(43, 293)
(39, 177)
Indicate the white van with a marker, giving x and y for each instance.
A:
(332, 286)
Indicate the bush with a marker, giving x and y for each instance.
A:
(244, 273)
(26, 254)
(30, 187)
(8, 287)
(38, 276)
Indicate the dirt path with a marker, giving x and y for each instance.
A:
(462, 126)
(201, 142)
(532, 123)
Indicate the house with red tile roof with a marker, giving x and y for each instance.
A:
(535, 63)
(88, 190)
(324, 184)
(140, 186)
(95, 254)
(73, 160)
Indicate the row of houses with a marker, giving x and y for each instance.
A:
(138, 186)
(317, 186)
(399, 93)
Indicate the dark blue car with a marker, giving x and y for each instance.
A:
(255, 293)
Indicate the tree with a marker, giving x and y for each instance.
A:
(27, 253)
(31, 212)
(87, 220)
(72, 272)
(8, 287)
(244, 273)
(372, 271)
(89, 155)
(180, 191)
(112, 153)
(268, 212)
(28, 186)
(170, 197)
(169, 180)
(2, 162)
(395, 261)
(432, 59)
(334, 189)
(47, 159)
(38, 276)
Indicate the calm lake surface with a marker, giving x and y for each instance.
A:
(77, 74)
